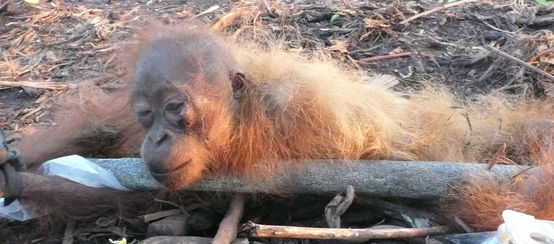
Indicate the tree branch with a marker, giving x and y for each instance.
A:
(405, 179)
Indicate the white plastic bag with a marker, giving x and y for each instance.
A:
(14, 211)
(520, 228)
(74, 168)
(78, 169)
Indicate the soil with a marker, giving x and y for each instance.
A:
(48, 48)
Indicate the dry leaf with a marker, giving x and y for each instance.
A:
(338, 46)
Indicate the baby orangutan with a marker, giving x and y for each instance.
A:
(204, 106)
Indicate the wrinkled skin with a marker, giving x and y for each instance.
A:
(179, 85)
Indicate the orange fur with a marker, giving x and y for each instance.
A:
(328, 111)
(300, 108)
(480, 202)
(295, 107)
(90, 122)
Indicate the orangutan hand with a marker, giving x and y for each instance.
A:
(10, 166)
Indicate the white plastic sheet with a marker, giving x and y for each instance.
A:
(74, 168)
(14, 211)
(520, 228)
(78, 169)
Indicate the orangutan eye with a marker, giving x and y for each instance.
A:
(174, 107)
(143, 113)
(145, 117)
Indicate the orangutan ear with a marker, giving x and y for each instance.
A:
(239, 82)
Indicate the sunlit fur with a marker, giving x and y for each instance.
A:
(327, 111)
(480, 201)
(299, 108)
(312, 108)
(294, 107)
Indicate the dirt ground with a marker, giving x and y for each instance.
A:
(49, 48)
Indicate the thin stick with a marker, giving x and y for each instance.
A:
(347, 4)
(443, 7)
(228, 228)
(161, 214)
(207, 11)
(39, 85)
(519, 61)
(275, 231)
(384, 57)
(30, 113)
(69, 233)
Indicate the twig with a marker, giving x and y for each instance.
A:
(384, 57)
(275, 231)
(489, 70)
(339, 30)
(519, 61)
(38, 85)
(69, 233)
(228, 228)
(172, 204)
(207, 11)
(161, 214)
(3, 6)
(409, 214)
(463, 225)
(338, 206)
(441, 42)
(496, 28)
(30, 113)
(430, 11)
(107, 49)
(550, 50)
(347, 4)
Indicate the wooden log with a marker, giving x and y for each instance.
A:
(407, 179)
